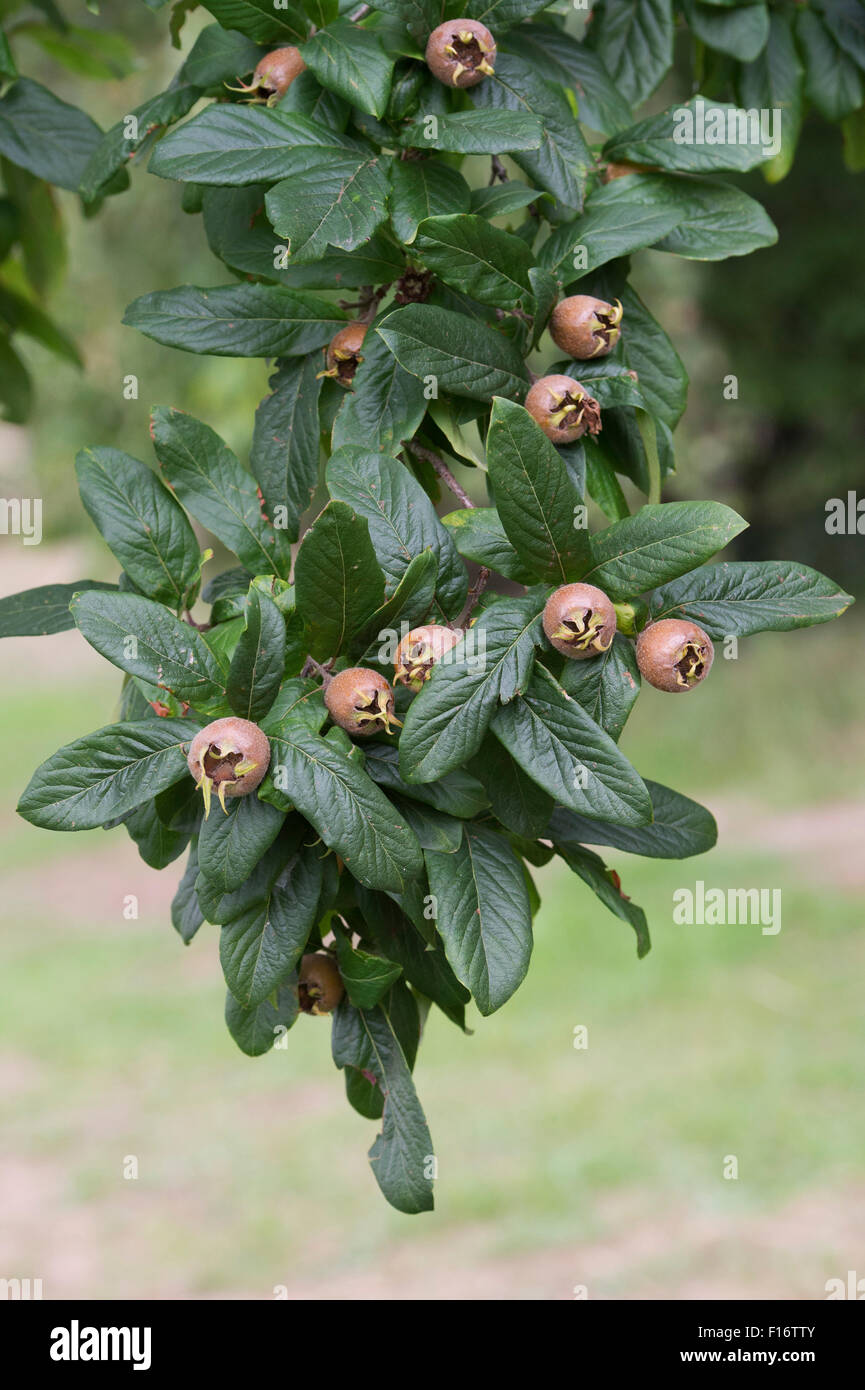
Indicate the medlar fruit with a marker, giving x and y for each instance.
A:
(579, 621)
(231, 755)
(563, 408)
(319, 984)
(361, 702)
(273, 75)
(461, 53)
(343, 353)
(585, 327)
(674, 654)
(419, 651)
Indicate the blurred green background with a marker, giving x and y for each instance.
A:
(558, 1167)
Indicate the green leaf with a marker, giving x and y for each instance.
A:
(186, 914)
(477, 132)
(517, 801)
(409, 604)
(717, 221)
(236, 320)
(457, 794)
(592, 870)
(658, 543)
(424, 963)
(385, 405)
(141, 523)
(539, 506)
(422, 188)
(833, 82)
(344, 201)
(617, 219)
(145, 639)
(776, 81)
(741, 598)
(235, 144)
(741, 32)
(105, 775)
(210, 482)
(433, 829)
(483, 915)
(117, 146)
(157, 845)
(603, 486)
(298, 702)
(560, 58)
(482, 261)
(402, 1153)
(562, 162)
(607, 686)
(402, 520)
(367, 978)
(556, 742)
(680, 828)
(480, 536)
(338, 578)
(45, 135)
(219, 55)
(696, 138)
(43, 611)
(285, 444)
(348, 810)
(644, 348)
(846, 21)
(261, 943)
(256, 1029)
(21, 315)
(635, 41)
(463, 357)
(231, 844)
(498, 199)
(446, 722)
(351, 61)
(258, 663)
(261, 20)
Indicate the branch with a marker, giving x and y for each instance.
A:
(474, 595)
(311, 665)
(498, 170)
(421, 452)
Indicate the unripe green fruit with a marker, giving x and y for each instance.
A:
(461, 52)
(419, 651)
(585, 327)
(674, 654)
(579, 621)
(319, 984)
(231, 755)
(563, 408)
(360, 701)
(343, 353)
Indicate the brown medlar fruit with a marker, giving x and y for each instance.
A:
(585, 327)
(674, 654)
(461, 52)
(319, 984)
(419, 651)
(231, 755)
(563, 408)
(343, 353)
(360, 701)
(579, 621)
(273, 75)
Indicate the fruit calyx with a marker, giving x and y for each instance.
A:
(419, 651)
(231, 755)
(563, 408)
(319, 985)
(579, 621)
(586, 327)
(461, 52)
(360, 701)
(674, 654)
(343, 353)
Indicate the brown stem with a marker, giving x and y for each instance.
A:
(498, 170)
(372, 302)
(311, 665)
(474, 595)
(200, 627)
(533, 376)
(447, 477)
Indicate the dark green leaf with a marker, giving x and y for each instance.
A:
(157, 845)
(45, 135)
(517, 801)
(461, 357)
(42, 612)
(258, 663)
(478, 132)
(740, 598)
(236, 320)
(480, 536)
(386, 404)
(482, 261)
(658, 543)
(256, 1029)
(456, 794)
(367, 978)
(635, 41)
(423, 188)
(592, 870)
(559, 57)
(607, 686)
(680, 828)
(696, 138)
(186, 914)
(261, 20)
(231, 843)
(344, 201)
(285, 444)
(117, 146)
(351, 61)
(338, 578)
